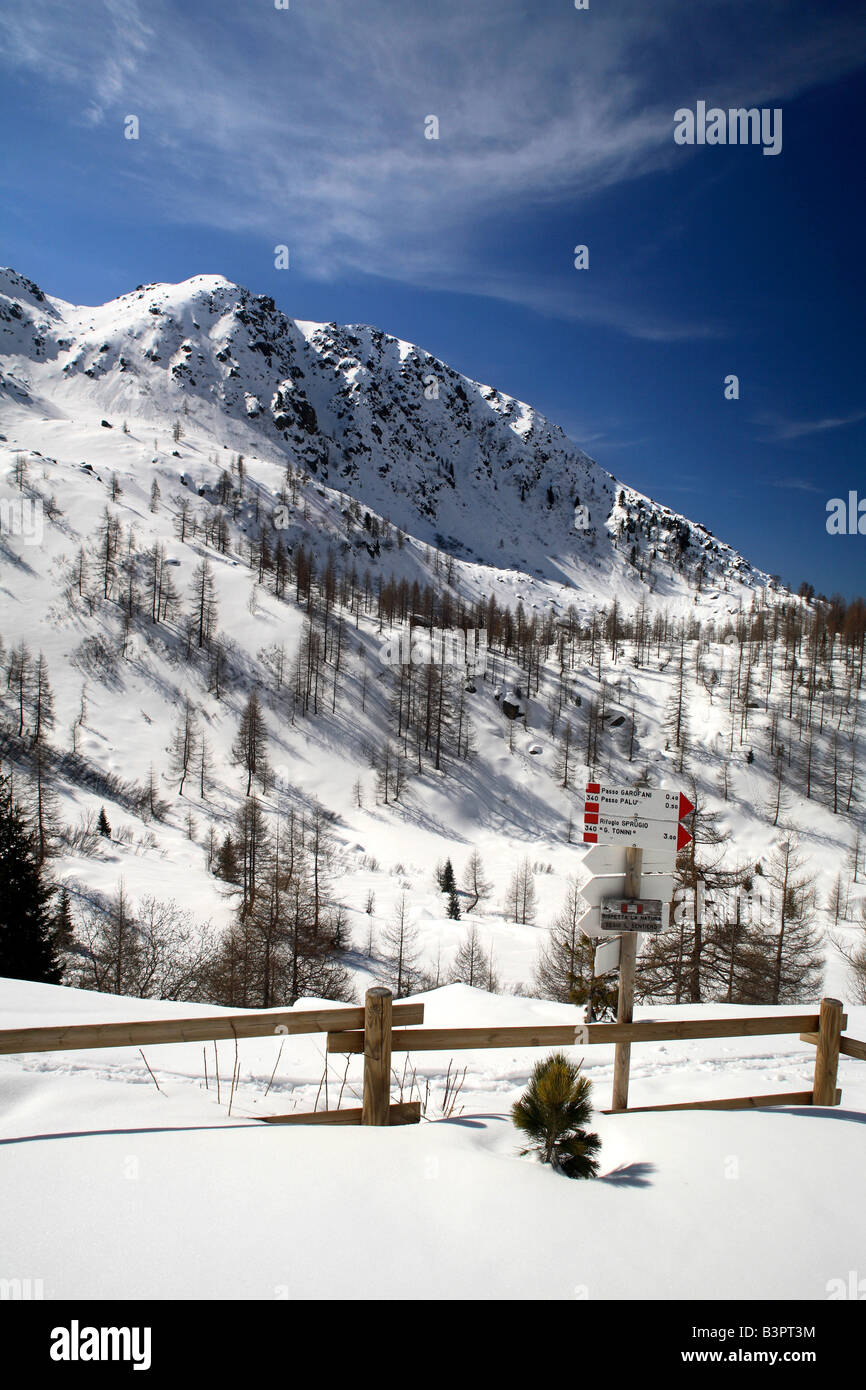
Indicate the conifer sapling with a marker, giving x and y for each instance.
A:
(553, 1113)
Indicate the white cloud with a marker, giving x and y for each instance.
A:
(306, 126)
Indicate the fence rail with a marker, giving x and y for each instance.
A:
(370, 1031)
(824, 1029)
(730, 1103)
(850, 1047)
(407, 1112)
(582, 1034)
(205, 1028)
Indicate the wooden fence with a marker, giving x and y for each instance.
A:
(370, 1031)
(374, 1020)
(823, 1029)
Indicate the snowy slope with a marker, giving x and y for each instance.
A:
(345, 412)
(125, 1191)
(363, 412)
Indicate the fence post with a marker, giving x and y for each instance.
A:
(377, 1056)
(827, 1052)
(625, 1001)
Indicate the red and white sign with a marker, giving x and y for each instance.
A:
(643, 818)
(651, 803)
(635, 833)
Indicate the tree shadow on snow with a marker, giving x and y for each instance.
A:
(630, 1175)
(820, 1112)
(476, 1121)
(108, 1133)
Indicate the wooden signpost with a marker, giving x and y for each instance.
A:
(634, 820)
(625, 1000)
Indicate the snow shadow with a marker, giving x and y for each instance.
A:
(630, 1175)
(111, 1133)
(820, 1112)
(476, 1121)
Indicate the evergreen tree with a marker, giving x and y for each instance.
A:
(553, 1113)
(27, 949)
(102, 824)
(62, 929)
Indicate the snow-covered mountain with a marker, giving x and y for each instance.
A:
(364, 413)
(190, 425)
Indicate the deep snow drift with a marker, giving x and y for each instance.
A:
(123, 1190)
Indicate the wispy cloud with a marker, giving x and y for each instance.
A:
(96, 57)
(793, 484)
(306, 126)
(601, 435)
(779, 428)
(576, 299)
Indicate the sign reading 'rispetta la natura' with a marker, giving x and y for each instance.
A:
(632, 914)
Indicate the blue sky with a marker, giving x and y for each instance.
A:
(306, 127)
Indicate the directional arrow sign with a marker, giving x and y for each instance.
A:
(659, 886)
(590, 922)
(610, 859)
(648, 802)
(634, 831)
(607, 954)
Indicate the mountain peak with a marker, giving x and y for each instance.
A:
(372, 415)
